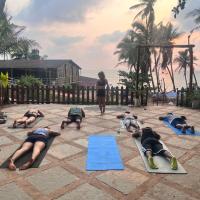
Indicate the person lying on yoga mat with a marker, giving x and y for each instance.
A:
(36, 139)
(178, 122)
(129, 121)
(152, 146)
(74, 115)
(29, 117)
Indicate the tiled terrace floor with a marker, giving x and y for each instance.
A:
(62, 174)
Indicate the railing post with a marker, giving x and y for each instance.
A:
(53, 94)
(182, 91)
(63, 94)
(122, 95)
(17, 94)
(42, 92)
(58, 94)
(117, 95)
(27, 94)
(68, 95)
(177, 97)
(88, 95)
(127, 94)
(22, 94)
(83, 95)
(92, 94)
(38, 93)
(78, 94)
(47, 95)
(73, 94)
(112, 94)
(12, 93)
(32, 93)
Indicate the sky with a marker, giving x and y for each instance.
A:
(88, 31)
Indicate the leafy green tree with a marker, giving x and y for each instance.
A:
(29, 80)
(11, 41)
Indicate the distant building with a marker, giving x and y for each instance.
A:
(59, 72)
(87, 81)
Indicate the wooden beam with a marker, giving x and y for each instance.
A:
(168, 46)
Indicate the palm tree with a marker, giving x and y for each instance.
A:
(127, 50)
(167, 35)
(147, 11)
(10, 39)
(183, 61)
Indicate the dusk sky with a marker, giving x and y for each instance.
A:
(88, 31)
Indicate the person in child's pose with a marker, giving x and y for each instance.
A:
(178, 122)
(37, 140)
(152, 146)
(129, 120)
(101, 86)
(29, 117)
(74, 115)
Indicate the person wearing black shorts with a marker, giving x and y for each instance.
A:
(29, 117)
(101, 85)
(152, 146)
(74, 115)
(178, 122)
(37, 140)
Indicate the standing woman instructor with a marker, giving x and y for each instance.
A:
(101, 86)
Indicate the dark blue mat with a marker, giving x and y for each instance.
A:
(103, 154)
(179, 132)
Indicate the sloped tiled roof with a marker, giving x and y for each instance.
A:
(34, 63)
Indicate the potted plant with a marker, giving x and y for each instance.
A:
(196, 99)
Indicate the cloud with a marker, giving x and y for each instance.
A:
(187, 23)
(67, 40)
(111, 38)
(49, 11)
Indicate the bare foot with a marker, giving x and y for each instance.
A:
(78, 125)
(14, 124)
(25, 125)
(26, 165)
(62, 126)
(11, 165)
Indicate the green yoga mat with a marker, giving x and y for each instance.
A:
(27, 156)
(28, 126)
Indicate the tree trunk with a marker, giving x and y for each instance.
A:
(195, 79)
(172, 73)
(185, 79)
(156, 69)
(174, 88)
(152, 80)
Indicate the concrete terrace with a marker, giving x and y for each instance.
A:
(62, 174)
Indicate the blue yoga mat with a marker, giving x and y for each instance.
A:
(103, 154)
(179, 132)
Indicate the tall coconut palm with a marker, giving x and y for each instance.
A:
(127, 50)
(147, 11)
(10, 37)
(183, 61)
(168, 33)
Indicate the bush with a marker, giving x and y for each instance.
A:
(29, 80)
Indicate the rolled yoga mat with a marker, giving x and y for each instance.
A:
(103, 154)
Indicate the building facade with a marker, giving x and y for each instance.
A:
(51, 72)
